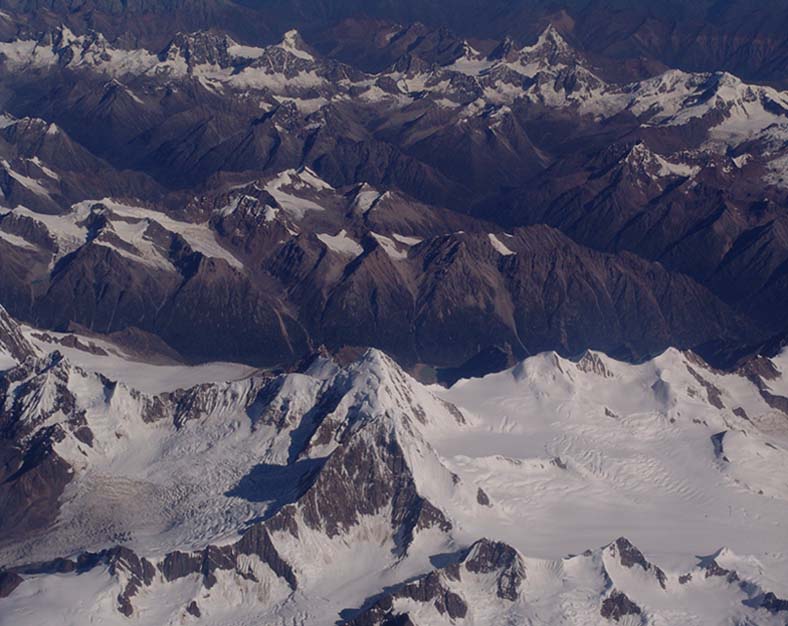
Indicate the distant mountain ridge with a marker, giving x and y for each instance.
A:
(701, 36)
(345, 175)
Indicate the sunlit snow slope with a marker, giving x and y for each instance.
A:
(561, 491)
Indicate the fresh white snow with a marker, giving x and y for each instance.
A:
(636, 443)
(296, 180)
(572, 454)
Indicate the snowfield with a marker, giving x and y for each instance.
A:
(552, 458)
(575, 451)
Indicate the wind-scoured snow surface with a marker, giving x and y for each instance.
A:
(571, 450)
(503, 499)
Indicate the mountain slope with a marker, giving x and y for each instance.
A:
(324, 491)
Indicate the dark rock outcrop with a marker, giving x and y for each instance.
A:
(434, 588)
(618, 605)
(493, 556)
(8, 582)
(630, 556)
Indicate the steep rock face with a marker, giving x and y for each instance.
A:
(617, 605)
(98, 288)
(118, 272)
(372, 476)
(272, 334)
(8, 582)
(57, 169)
(262, 272)
(327, 513)
(315, 479)
(375, 468)
(543, 262)
(697, 219)
(38, 411)
(13, 345)
(494, 293)
(372, 305)
(682, 169)
(629, 556)
(669, 178)
(32, 483)
(485, 562)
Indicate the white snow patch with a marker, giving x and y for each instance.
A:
(471, 63)
(297, 180)
(145, 377)
(366, 198)
(742, 160)
(44, 168)
(26, 181)
(199, 236)
(290, 42)
(499, 246)
(408, 241)
(640, 155)
(16, 240)
(341, 243)
(244, 52)
(390, 247)
(63, 229)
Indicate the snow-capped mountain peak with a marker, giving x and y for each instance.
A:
(645, 162)
(293, 43)
(550, 44)
(304, 470)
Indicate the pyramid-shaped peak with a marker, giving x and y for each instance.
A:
(293, 43)
(376, 388)
(501, 560)
(628, 556)
(503, 49)
(551, 33)
(628, 553)
(551, 40)
(641, 158)
(63, 36)
(486, 555)
(468, 51)
(550, 51)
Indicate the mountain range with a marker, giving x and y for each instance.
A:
(377, 313)
(343, 491)
(302, 189)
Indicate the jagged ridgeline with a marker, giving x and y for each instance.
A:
(348, 489)
(246, 203)
(309, 320)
